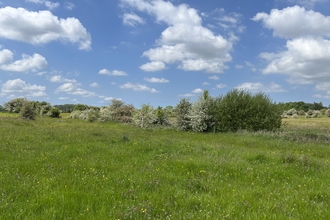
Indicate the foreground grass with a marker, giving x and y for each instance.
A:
(71, 169)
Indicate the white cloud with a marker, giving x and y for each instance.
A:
(50, 5)
(156, 80)
(259, 87)
(153, 66)
(69, 6)
(59, 78)
(214, 77)
(26, 64)
(231, 21)
(110, 98)
(239, 66)
(138, 87)
(295, 22)
(95, 85)
(63, 98)
(74, 89)
(306, 61)
(196, 91)
(188, 95)
(185, 42)
(6, 56)
(305, 3)
(112, 73)
(220, 86)
(132, 19)
(41, 27)
(18, 87)
(319, 96)
(206, 83)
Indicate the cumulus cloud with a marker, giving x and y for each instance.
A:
(19, 88)
(156, 80)
(306, 61)
(259, 87)
(59, 78)
(185, 42)
(74, 89)
(132, 19)
(110, 98)
(26, 64)
(41, 27)
(112, 73)
(138, 87)
(295, 22)
(196, 91)
(6, 56)
(153, 66)
(306, 58)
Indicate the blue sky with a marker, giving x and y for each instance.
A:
(158, 52)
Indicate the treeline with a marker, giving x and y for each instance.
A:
(236, 110)
(66, 108)
(301, 106)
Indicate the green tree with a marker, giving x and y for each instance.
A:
(80, 107)
(239, 109)
(162, 116)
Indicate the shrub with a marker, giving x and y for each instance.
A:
(27, 111)
(145, 117)
(45, 109)
(105, 114)
(239, 109)
(291, 112)
(15, 105)
(322, 111)
(200, 113)
(162, 116)
(89, 115)
(294, 116)
(54, 113)
(301, 112)
(182, 110)
(327, 112)
(75, 114)
(120, 112)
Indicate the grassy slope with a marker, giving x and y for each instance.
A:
(71, 169)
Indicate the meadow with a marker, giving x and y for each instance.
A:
(72, 169)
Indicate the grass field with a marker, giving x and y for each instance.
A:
(72, 169)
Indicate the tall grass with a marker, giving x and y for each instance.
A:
(72, 169)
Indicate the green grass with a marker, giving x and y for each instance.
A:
(72, 169)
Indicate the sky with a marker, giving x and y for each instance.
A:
(157, 52)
